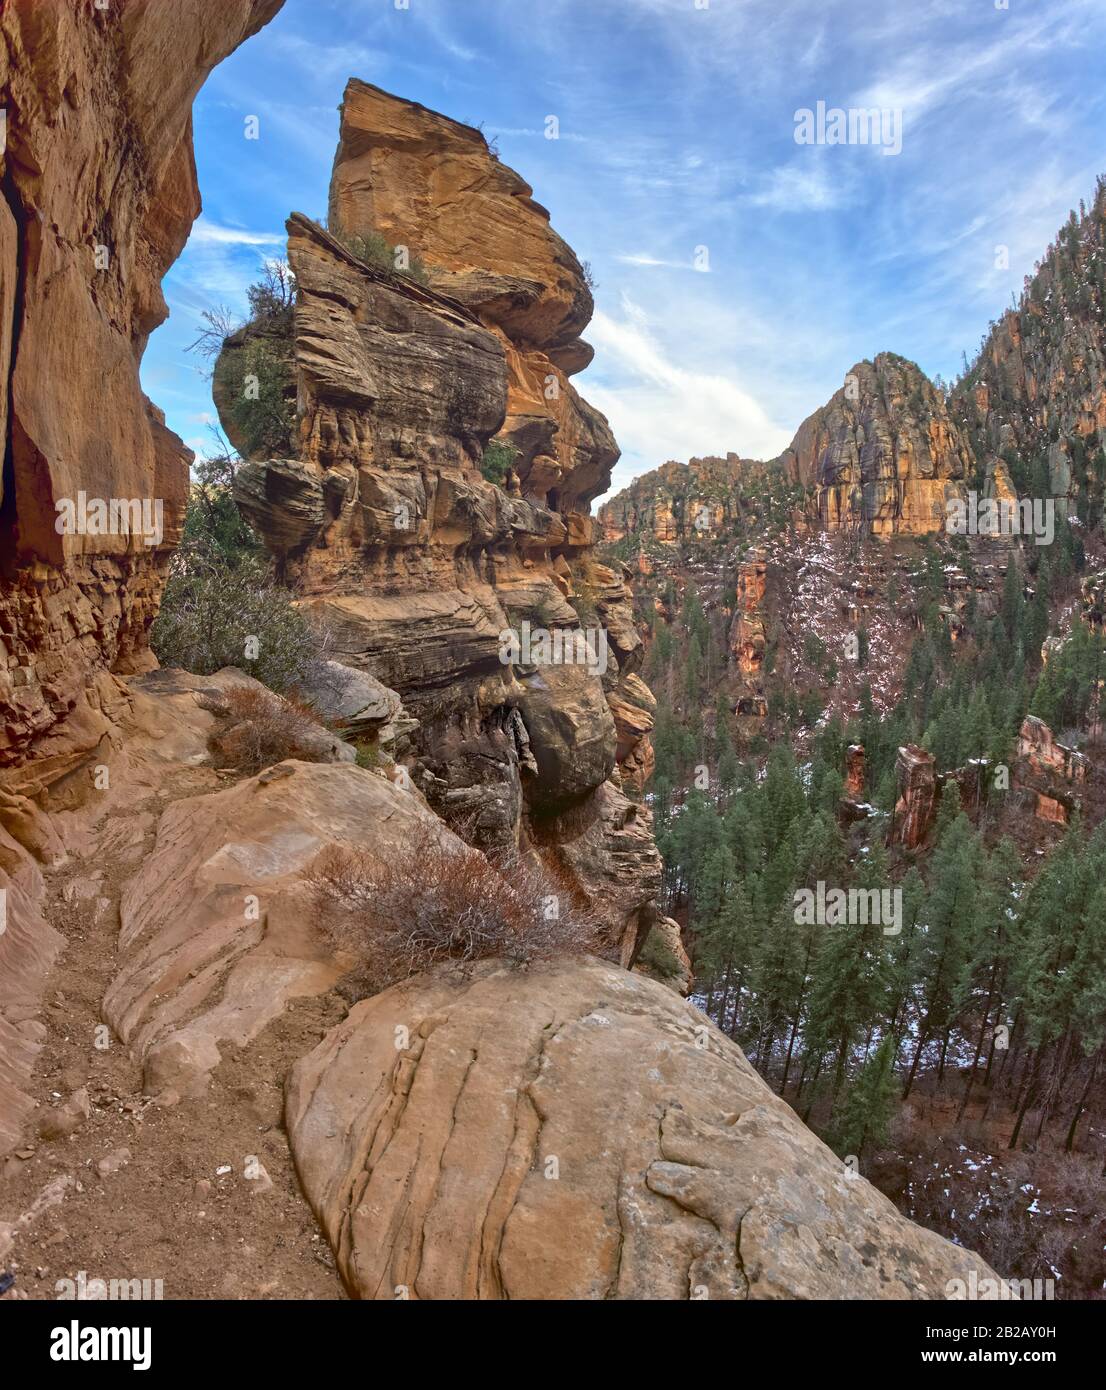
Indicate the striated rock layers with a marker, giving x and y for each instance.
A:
(99, 197)
(422, 568)
(576, 1131)
(882, 457)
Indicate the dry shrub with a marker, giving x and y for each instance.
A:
(399, 916)
(260, 728)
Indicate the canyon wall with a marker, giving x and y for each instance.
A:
(99, 197)
(100, 193)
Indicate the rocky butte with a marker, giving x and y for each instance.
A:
(125, 855)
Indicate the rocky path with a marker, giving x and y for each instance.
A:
(120, 1185)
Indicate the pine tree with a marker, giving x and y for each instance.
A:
(949, 938)
(871, 1103)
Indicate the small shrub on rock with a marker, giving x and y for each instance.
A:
(260, 728)
(497, 462)
(400, 915)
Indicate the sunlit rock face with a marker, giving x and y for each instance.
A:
(383, 522)
(430, 184)
(883, 456)
(89, 224)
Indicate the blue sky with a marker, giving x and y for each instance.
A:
(677, 126)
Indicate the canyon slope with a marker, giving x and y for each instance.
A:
(832, 538)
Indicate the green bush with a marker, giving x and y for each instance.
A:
(215, 531)
(377, 251)
(498, 459)
(262, 408)
(368, 755)
(657, 955)
(209, 611)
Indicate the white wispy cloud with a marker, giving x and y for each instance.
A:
(211, 233)
(803, 187)
(660, 409)
(644, 259)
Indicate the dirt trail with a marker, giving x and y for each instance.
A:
(179, 1208)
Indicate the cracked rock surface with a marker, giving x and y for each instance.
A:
(575, 1131)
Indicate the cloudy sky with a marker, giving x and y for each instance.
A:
(741, 274)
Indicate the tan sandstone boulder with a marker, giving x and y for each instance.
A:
(576, 1131)
(217, 926)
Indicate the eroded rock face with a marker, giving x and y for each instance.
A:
(1049, 771)
(1038, 387)
(855, 771)
(884, 456)
(748, 642)
(915, 772)
(698, 500)
(431, 184)
(559, 1134)
(384, 523)
(99, 196)
(634, 708)
(89, 224)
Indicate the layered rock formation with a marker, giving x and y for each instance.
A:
(89, 224)
(680, 502)
(426, 572)
(883, 457)
(1048, 772)
(431, 185)
(579, 1132)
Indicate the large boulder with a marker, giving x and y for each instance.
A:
(572, 732)
(576, 1131)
